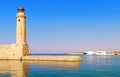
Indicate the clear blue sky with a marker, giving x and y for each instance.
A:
(64, 25)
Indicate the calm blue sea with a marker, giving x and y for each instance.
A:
(90, 66)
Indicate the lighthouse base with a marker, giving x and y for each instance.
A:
(13, 51)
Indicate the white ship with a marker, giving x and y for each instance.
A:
(104, 53)
(99, 52)
(89, 52)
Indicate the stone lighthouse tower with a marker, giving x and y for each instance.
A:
(21, 27)
(21, 30)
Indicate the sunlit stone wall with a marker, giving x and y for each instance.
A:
(13, 51)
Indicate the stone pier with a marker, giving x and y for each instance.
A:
(52, 58)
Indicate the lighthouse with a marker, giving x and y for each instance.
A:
(21, 26)
(21, 30)
(20, 48)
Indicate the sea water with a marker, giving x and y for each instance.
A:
(90, 66)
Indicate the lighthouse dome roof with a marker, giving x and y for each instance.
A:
(20, 9)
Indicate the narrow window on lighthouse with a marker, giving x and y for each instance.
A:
(19, 20)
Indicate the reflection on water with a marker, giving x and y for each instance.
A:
(10, 68)
(91, 66)
(100, 66)
(13, 68)
(98, 60)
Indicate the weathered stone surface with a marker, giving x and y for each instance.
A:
(52, 58)
(13, 51)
